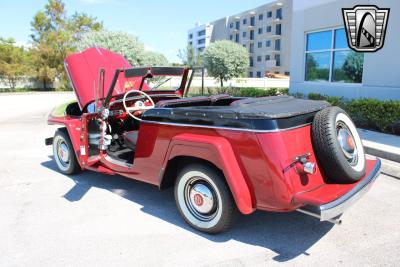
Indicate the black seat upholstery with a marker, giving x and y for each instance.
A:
(130, 139)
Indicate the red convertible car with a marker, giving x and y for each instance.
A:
(222, 154)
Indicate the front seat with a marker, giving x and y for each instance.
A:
(130, 139)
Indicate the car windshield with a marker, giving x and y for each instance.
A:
(164, 82)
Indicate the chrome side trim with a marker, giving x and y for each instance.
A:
(338, 206)
(224, 128)
(117, 162)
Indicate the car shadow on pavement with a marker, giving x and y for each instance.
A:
(287, 234)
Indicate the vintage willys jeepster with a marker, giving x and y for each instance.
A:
(222, 154)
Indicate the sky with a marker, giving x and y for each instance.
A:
(161, 25)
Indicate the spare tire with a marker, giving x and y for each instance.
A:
(338, 147)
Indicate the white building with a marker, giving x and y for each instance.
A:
(319, 51)
(199, 37)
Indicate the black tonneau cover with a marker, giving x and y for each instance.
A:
(265, 113)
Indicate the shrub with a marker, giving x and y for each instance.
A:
(368, 113)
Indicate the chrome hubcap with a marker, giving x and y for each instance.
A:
(63, 153)
(201, 199)
(347, 143)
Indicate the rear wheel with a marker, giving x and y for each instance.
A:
(64, 154)
(203, 199)
(338, 146)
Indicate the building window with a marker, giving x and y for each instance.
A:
(244, 45)
(231, 25)
(244, 21)
(251, 74)
(260, 30)
(244, 34)
(251, 61)
(268, 43)
(201, 41)
(269, 14)
(269, 28)
(278, 29)
(258, 74)
(278, 45)
(231, 37)
(251, 34)
(253, 21)
(267, 57)
(251, 48)
(278, 60)
(201, 33)
(237, 38)
(259, 45)
(190, 43)
(287, 73)
(191, 36)
(237, 25)
(279, 13)
(328, 58)
(200, 49)
(259, 58)
(261, 17)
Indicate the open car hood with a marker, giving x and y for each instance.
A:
(83, 70)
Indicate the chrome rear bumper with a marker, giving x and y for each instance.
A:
(331, 210)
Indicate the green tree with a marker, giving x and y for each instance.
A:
(225, 60)
(125, 44)
(187, 56)
(14, 62)
(54, 36)
(151, 58)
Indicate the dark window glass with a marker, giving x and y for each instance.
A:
(319, 40)
(269, 28)
(278, 60)
(251, 48)
(191, 36)
(201, 33)
(231, 25)
(287, 73)
(244, 21)
(269, 14)
(279, 13)
(231, 37)
(259, 45)
(340, 39)
(278, 45)
(278, 29)
(260, 17)
(260, 30)
(251, 34)
(251, 62)
(268, 43)
(267, 57)
(258, 74)
(317, 66)
(244, 34)
(201, 41)
(347, 66)
(237, 24)
(259, 58)
(251, 74)
(237, 38)
(252, 21)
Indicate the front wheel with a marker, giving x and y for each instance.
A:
(203, 199)
(64, 154)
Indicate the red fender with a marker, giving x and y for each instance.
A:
(218, 151)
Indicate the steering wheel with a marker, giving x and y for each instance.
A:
(139, 105)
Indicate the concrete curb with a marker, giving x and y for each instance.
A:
(381, 145)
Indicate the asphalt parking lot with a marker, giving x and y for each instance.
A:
(49, 219)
